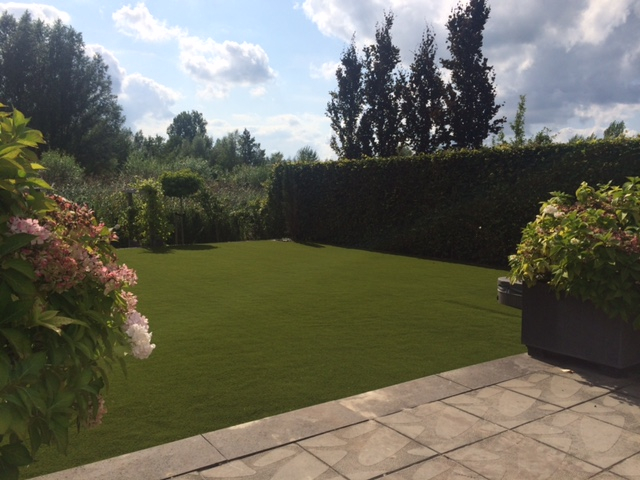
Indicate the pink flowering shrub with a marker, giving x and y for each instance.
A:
(65, 313)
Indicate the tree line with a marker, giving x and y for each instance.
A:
(378, 108)
(46, 73)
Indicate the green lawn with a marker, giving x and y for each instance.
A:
(248, 330)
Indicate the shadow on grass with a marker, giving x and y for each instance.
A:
(310, 244)
(184, 248)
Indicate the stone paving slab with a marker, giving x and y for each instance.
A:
(405, 395)
(496, 371)
(629, 469)
(439, 468)
(366, 450)
(556, 389)
(281, 429)
(584, 437)
(156, 463)
(283, 463)
(513, 418)
(615, 408)
(514, 456)
(441, 427)
(502, 406)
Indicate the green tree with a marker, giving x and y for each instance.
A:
(45, 72)
(383, 91)
(424, 102)
(518, 124)
(471, 93)
(543, 137)
(249, 150)
(616, 129)
(345, 107)
(225, 151)
(306, 155)
(186, 125)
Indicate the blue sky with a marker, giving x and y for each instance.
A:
(268, 65)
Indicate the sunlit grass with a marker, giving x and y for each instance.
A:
(248, 330)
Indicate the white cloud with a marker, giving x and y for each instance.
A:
(147, 103)
(599, 19)
(258, 91)
(603, 115)
(285, 133)
(46, 13)
(218, 67)
(326, 71)
(138, 22)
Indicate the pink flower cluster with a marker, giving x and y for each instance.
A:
(69, 252)
(30, 226)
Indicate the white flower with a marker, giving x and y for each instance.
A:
(550, 210)
(137, 328)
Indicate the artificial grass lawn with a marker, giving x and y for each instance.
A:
(252, 329)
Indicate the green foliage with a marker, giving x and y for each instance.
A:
(345, 107)
(62, 306)
(587, 246)
(468, 206)
(471, 93)
(306, 154)
(186, 126)
(152, 226)
(180, 184)
(44, 70)
(518, 123)
(382, 91)
(60, 169)
(424, 105)
(616, 129)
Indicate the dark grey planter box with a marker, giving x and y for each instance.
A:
(573, 328)
(509, 294)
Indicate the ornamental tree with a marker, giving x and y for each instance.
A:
(471, 93)
(65, 312)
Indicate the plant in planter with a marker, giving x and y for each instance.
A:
(585, 249)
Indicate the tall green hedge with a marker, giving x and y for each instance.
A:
(467, 206)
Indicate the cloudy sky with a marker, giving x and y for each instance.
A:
(268, 65)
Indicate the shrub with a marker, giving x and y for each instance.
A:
(587, 246)
(65, 314)
(60, 169)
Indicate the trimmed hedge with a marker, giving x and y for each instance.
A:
(466, 206)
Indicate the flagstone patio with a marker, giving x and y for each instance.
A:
(514, 418)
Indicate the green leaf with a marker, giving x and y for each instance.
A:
(16, 454)
(6, 418)
(32, 365)
(20, 342)
(21, 266)
(15, 242)
(20, 284)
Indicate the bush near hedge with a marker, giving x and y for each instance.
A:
(466, 206)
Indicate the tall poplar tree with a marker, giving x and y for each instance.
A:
(424, 106)
(383, 92)
(471, 107)
(345, 107)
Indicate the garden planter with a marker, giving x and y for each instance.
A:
(570, 327)
(509, 294)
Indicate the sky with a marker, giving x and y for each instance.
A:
(269, 65)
